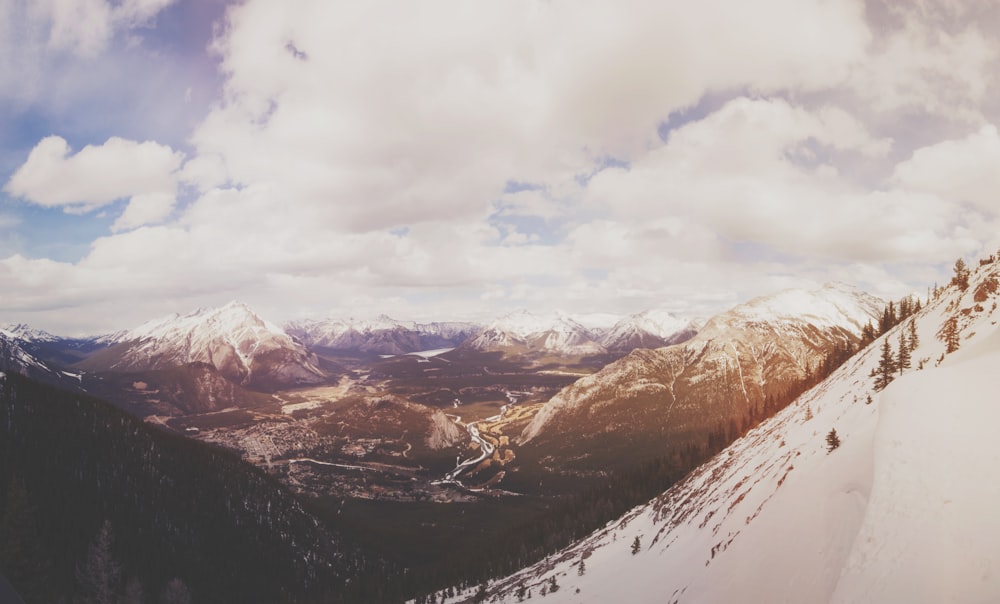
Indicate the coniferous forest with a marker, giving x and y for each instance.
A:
(95, 502)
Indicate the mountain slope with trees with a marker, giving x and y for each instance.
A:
(859, 491)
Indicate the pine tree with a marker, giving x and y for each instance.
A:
(553, 586)
(903, 358)
(832, 440)
(100, 574)
(886, 366)
(961, 278)
(949, 333)
(583, 569)
(22, 559)
(636, 546)
(134, 593)
(914, 337)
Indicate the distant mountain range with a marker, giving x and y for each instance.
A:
(382, 335)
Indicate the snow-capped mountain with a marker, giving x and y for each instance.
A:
(382, 335)
(649, 329)
(17, 356)
(26, 333)
(902, 509)
(242, 346)
(523, 332)
(741, 363)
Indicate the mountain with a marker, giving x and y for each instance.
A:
(523, 332)
(649, 329)
(901, 510)
(15, 358)
(26, 333)
(243, 347)
(743, 365)
(382, 335)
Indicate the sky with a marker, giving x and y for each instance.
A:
(455, 160)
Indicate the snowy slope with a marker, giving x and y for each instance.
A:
(382, 335)
(902, 511)
(232, 338)
(526, 332)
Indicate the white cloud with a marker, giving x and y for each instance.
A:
(928, 67)
(85, 27)
(361, 154)
(96, 175)
(147, 208)
(965, 170)
(400, 114)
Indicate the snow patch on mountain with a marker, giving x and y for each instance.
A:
(902, 511)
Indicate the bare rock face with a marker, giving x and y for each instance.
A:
(444, 433)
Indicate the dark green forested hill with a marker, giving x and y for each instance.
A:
(81, 480)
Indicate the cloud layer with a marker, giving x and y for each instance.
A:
(443, 159)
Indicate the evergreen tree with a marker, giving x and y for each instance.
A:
(884, 374)
(582, 570)
(521, 590)
(914, 337)
(636, 545)
(949, 333)
(832, 440)
(22, 559)
(903, 358)
(134, 593)
(100, 574)
(553, 586)
(961, 278)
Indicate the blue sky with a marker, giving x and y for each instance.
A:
(445, 160)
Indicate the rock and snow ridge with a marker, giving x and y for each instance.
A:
(382, 335)
(523, 332)
(26, 333)
(767, 344)
(902, 511)
(653, 328)
(13, 356)
(236, 341)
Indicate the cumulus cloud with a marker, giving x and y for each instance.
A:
(401, 114)
(369, 154)
(96, 175)
(147, 208)
(966, 170)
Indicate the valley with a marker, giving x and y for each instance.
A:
(524, 433)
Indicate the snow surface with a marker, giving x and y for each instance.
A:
(902, 511)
